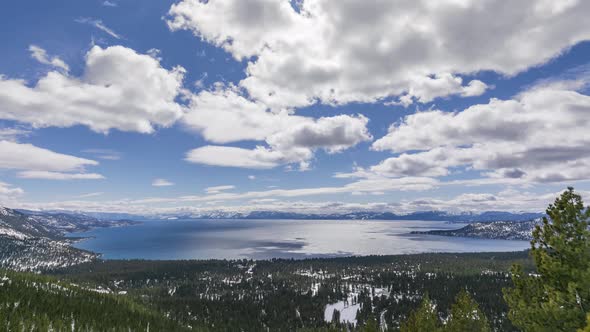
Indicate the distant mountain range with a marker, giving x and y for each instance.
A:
(464, 217)
(36, 241)
(505, 230)
(461, 217)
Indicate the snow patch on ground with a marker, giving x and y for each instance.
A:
(347, 311)
(12, 233)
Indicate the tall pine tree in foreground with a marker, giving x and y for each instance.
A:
(557, 298)
(423, 319)
(464, 315)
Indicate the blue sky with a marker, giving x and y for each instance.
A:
(314, 106)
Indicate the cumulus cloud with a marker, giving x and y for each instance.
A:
(333, 134)
(224, 115)
(336, 52)
(40, 55)
(426, 89)
(120, 89)
(162, 183)
(539, 136)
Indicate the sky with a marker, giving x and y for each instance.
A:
(303, 106)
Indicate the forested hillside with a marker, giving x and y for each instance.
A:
(40, 303)
(340, 293)
(36, 241)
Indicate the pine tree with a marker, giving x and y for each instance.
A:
(587, 328)
(371, 325)
(423, 319)
(557, 298)
(336, 316)
(465, 315)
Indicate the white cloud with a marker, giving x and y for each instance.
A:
(47, 175)
(9, 195)
(507, 200)
(99, 25)
(251, 177)
(218, 189)
(91, 195)
(333, 134)
(7, 190)
(224, 115)
(13, 133)
(161, 183)
(373, 185)
(268, 199)
(107, 3)
(539, 136)
(228, 156)
(200, 83)
(29, 157)
(106, 154)
(120, 89)
(426, 89)
(337, 52)
(40, 55)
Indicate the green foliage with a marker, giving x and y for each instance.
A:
(423, 319)
(234, 295)
(371, 326)
(558, 297)
(465, 315)
(39, 303)
(587, 328)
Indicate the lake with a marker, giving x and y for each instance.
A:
(263, 239)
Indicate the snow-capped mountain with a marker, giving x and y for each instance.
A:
(464, 217)
(505, 230)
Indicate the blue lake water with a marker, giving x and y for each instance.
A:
(263, 239)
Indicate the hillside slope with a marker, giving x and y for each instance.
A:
(33, 244)
(38, 303)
